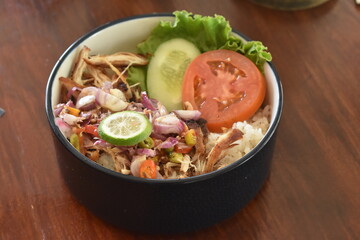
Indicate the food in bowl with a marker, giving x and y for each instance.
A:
(181, 106)
(141, 204)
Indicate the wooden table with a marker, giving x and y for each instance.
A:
(314, 188)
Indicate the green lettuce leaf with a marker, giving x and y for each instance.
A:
(137, 75)
(207, 33)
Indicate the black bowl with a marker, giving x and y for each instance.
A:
(150, 205)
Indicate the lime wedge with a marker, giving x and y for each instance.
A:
(125, 128)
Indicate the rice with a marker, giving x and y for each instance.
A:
(254, 130)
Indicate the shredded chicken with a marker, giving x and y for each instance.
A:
(98, 75)
(117, 59)
(222, 143)
(80, 65)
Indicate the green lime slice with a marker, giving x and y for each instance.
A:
(125, 128)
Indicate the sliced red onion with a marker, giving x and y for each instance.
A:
(70, 104)
(107, 86)
(137, 107)
(145, 151)
(88, 91)
(135, 164)
(145, 100)
(102, 143)
(85, 122)
(118, 93)
(89, 107)
(168, 124)
(86, 103)
(188, 114)
(72, 90)
(64, 127)
(70, 119)
(58, 108)
(130, 150)
(110, 102)
(158, 136)
(86, 116)
(162, 109)
(104, 99)
(168, 143)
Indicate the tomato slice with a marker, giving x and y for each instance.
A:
(225, 86)
(148, 169)
(92, 129)
(182, 148)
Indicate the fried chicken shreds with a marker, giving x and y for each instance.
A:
(118, 59)
(92, 67)
(222, 143)
(80, 65)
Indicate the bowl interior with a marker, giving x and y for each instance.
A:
(124, 35)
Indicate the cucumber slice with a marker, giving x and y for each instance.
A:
(166, 70)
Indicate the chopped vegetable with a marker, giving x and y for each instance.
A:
(147, 143)
(70, 119)
(182, 148)
(148, 152)
(64, 127)
(86, 102)
(168, 124)
(168, 143)
(73, 111)
(137, 75)
(169, 150)
(91, 129)
(147, 169)
(188, 114)
(176, 157)
(190, 137)
(74, 140)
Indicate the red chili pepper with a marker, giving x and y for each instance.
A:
(91, 129)
(182, 148)
(148, 169)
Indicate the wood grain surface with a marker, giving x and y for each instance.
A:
(313, 191)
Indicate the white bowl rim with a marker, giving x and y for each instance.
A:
(202, 177)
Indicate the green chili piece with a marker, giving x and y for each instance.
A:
(155, 159)
(74, 140)
(147, 143)
(169, 150)
(175, 157)
(190, 137)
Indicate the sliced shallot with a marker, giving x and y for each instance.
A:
(168, 124)
(64, 127)
(70, 119)
(86, 103)
(188, 114)
(168, 143)
(135, 164)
